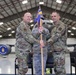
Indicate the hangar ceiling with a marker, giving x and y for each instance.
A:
(11, 12)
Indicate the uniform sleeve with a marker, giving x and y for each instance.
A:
(47, 33)
(27, 35)
(59, 32)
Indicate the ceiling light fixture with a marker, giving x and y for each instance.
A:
(8, 28)
(24, 2)
(32, 25)
(69, 31)
(59, 1)
(1, 23)
(31, 21)
(74, 28)
(72, 34)
(0, 36)
(9, 34)
(13, 32)
(41, 3)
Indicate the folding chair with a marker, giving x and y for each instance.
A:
(50, 61)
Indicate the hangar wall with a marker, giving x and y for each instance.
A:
(12, 42)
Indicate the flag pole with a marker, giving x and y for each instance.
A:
(42, 62)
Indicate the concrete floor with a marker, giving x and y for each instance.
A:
(7, 64)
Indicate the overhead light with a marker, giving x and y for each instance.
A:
(8, 28)
(0, 36)
(31, 21)
(24, 2)
(32, 25)
(72, 34)
(13, 32)
(59, 1)
(9, 34)
(69, 31)
(74, 28)
(1, 23)
(41, 3)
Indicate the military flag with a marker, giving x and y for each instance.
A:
(39, 16)
(38, 20)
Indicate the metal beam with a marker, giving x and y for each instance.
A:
(46, 10)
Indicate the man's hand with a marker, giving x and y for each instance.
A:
(41, 43)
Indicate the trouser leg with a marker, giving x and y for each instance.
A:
(37, 63)
(22, 63)
(23, 68)
(59, 62)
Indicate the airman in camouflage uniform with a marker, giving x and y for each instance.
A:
(58, 44)
(37, 50)
(24, 39)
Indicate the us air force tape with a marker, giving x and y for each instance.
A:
(4, 49)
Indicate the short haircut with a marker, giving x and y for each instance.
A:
(55, 12)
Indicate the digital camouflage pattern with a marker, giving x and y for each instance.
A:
(59, 36)
(37, 49)
(58, 44)
(36, 34)
(24, 39)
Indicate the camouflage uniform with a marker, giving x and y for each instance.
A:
(37, 50)
(24, 39)
(49, 26)
(58, 43)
